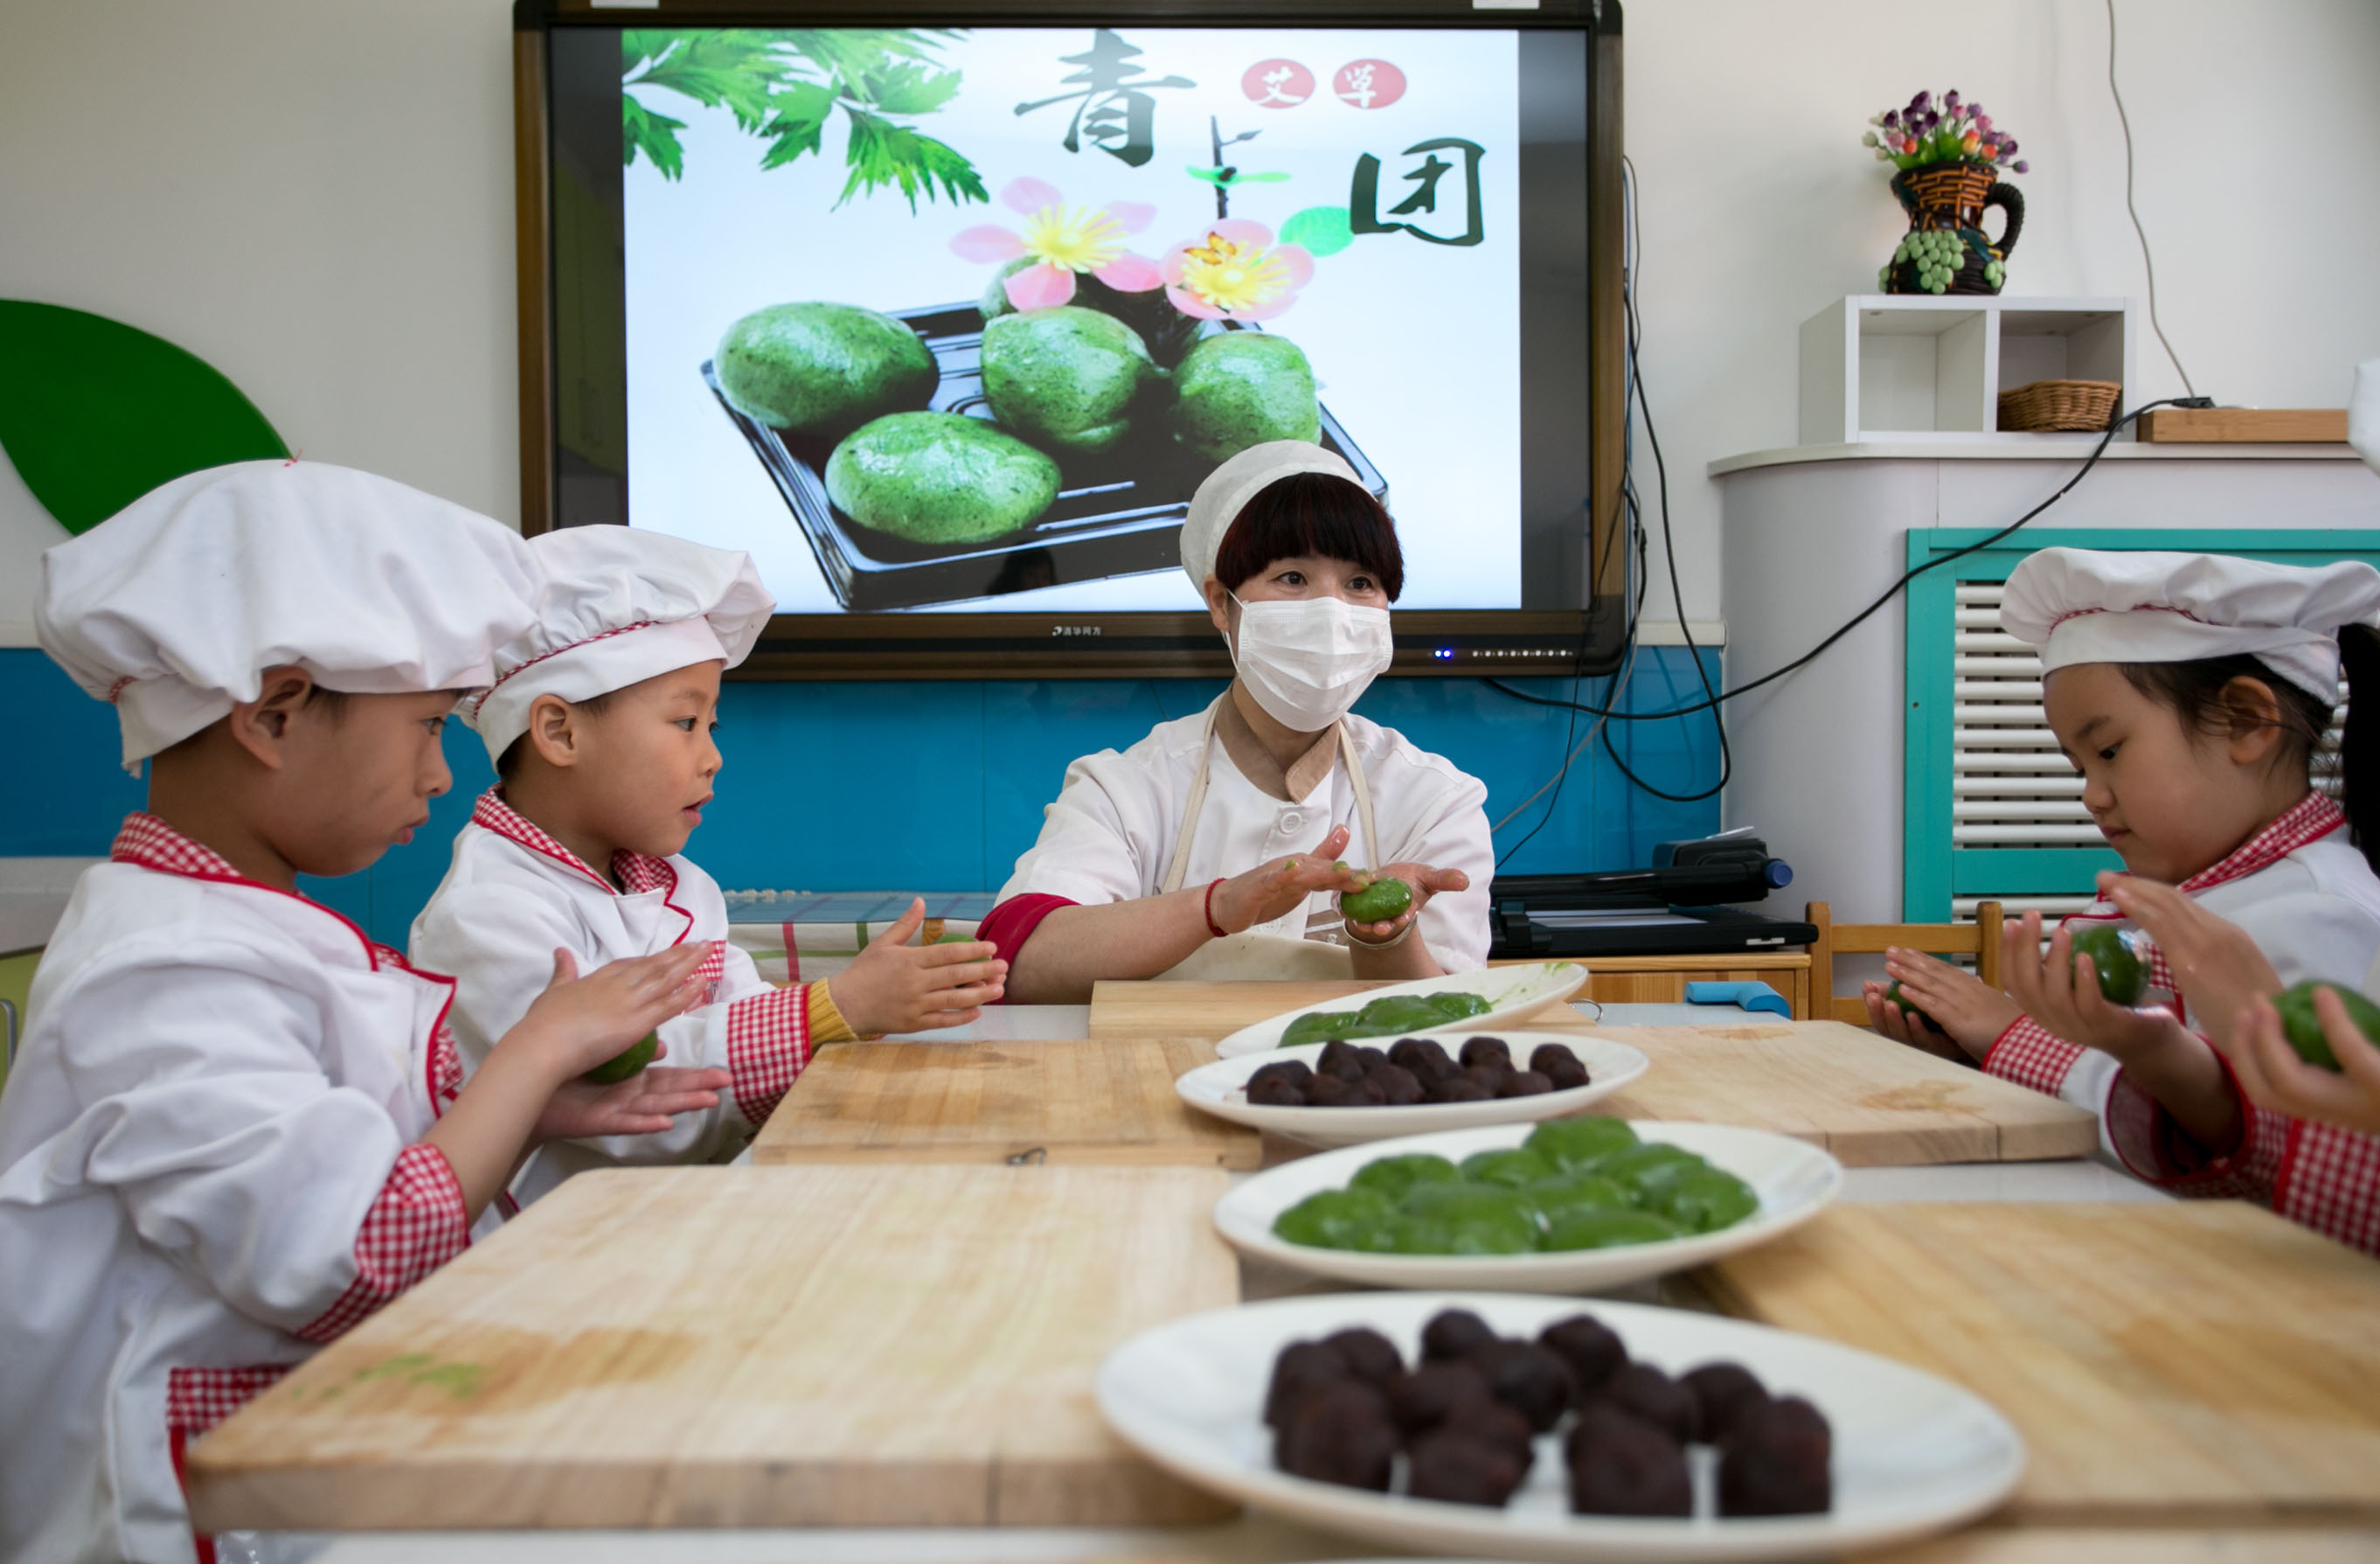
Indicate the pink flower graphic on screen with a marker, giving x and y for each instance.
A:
(1234, 271)
(1064, 241)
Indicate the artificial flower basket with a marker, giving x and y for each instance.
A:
(1950, 158)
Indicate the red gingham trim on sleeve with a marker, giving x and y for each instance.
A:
(417, 1224)
(2154, 1148)
(2031, 1054)
(768, 1045)
(2330, 1181)
(198, 1398)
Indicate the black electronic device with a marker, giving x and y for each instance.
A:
(1679, 906)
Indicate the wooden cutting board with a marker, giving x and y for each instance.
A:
(833, 1346)
(2197, 1364)
(2001, 1544)
(1108, 1103)
(1870, 1101)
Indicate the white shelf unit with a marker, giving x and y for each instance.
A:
(1879, 365)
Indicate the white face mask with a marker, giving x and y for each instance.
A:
(1306, 660)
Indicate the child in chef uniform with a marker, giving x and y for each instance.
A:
(2190, 690)
(600, 724)
(237, 1127)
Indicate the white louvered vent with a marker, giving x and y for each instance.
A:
(2009, 787)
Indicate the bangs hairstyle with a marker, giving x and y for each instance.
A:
(1311, 513)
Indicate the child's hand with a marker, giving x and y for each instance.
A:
(2060, 990)
(1426, 882)
(2214, 961)
(2274, 1077)
(642, 1105)
(578, 1022)
(1965, 1010)
(894, 986)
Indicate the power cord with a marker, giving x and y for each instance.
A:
(2148, 260)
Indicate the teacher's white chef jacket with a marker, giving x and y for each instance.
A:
(1123, 827)
(2312, 903)
(514, 894)
(208, 1167)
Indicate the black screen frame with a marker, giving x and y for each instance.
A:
(903, 646)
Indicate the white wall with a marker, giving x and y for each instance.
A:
(2252, 125)
(315, 196)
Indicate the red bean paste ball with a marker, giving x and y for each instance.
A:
(1488, 1078)
(1453, 1333)
(1646, 1393)
(1332, 1090)
(1419, 1401)
(1777, 1462)
(1370, 1356)
(1487, 1050)
(1460, 1088)
(1291, 1070)
(1456, 1469)
(1341, 1059)
(1532, 1380)
(1592, 1348)
(1276, 1092)
(1398, 1088)
(1723, 1393)
(1622, 1466)
(1559, 1065)
(1339, 1432)
(1302, 1367)
(1425, 1057)
(1524, 1084)
(1373, 1058)
(1491, 1423)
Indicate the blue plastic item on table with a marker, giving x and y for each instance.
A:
(1743, 995)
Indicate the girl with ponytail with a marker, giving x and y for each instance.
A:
(2192, 693)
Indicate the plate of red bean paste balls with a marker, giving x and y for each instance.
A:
(1491, 1425)
(1577, 1204)
(1340, 1093)
(1481, 1001)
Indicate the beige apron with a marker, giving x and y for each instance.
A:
(1250, 954)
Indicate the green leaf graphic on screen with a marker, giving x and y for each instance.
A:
(95, 413)
(1322, 230)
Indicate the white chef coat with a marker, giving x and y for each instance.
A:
(510, 898)
(216, 1082)
(1110, 833)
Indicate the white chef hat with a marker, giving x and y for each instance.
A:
(1229, 488)
(620, 605)
(173, 608)
(2087, 605)
(2363, 413)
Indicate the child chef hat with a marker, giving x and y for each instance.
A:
(622, 606)
(173, 608)
(1229, 488)
(2085, 606)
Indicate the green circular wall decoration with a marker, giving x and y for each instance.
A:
(95, 413)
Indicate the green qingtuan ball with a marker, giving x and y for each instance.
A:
(2304, 1028)
(940, 478)
(822, 369)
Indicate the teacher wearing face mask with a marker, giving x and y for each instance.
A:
(1210, 849)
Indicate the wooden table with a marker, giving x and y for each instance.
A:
(834, 1346)
(1869, 1100)
(1070, 1102)
(2199, 1363)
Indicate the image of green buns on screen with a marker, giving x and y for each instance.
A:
(822, 369)
(1241, 389)
(940, 478)
(1064, 378)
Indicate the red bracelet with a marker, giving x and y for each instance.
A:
(1211, 927)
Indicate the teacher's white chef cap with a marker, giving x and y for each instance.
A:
(622, 606)
(173, 608)
(2085, 606)
(1229, 488)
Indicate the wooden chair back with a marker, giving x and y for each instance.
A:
(1980, 939)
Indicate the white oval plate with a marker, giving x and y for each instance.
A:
(1222, 1089)
(1912, 1453)
(1511, 994)
(1795, 1179)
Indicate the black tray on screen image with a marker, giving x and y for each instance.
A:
(1119, 512)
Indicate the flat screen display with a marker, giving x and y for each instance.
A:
(956, 320)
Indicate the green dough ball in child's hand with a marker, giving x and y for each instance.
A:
(1894, 997)
(2115, 955)
(2304, 1027)
(1378, 902)
(621, 1065)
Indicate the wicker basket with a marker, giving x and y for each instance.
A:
(2085, 405)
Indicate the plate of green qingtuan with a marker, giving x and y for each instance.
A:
(1479, 1001)
(1565, 1205)
(1339, 1094)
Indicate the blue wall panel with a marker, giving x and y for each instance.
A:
(930, 786)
